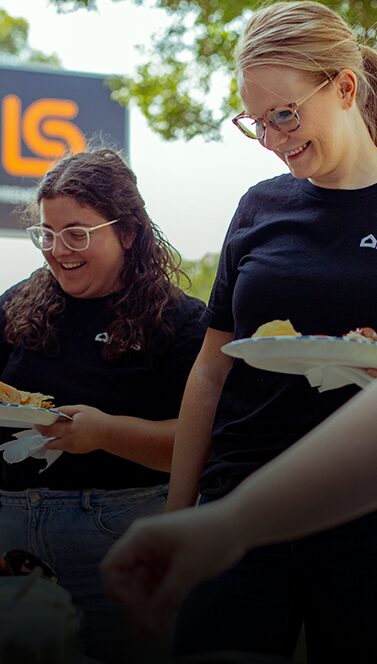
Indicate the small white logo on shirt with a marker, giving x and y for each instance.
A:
(102, 336)
(369, 241)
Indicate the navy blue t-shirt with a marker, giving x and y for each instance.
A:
(293, 251)
(141, 383)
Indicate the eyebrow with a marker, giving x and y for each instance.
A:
(75, 224)
(279, 104)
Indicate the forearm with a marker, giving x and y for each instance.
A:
(192, 444)
(147, 442)
(193, 438)
(327, 478)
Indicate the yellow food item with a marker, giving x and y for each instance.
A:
(276, 328)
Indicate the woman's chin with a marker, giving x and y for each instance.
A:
(73, 289)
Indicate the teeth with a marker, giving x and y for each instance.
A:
(70, 266)
(297, 151)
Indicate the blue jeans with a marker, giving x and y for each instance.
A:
(328, 581)
(72, 530)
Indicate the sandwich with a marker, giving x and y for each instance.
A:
(9, 394)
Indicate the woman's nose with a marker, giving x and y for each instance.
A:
(273, 138)
(59, 248)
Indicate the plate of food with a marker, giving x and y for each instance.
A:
(19, 408)
(277, 346)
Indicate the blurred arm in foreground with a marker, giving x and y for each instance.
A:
(326, 478)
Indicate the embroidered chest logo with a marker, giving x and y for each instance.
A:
(102, 336)
(369, 241)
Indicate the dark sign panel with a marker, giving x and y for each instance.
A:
(44, 113)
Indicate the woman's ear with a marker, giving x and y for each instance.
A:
(128, 240)
(347, 87)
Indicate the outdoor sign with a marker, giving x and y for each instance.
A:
(43, 113)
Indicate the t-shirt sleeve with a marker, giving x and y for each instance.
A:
(219, 312)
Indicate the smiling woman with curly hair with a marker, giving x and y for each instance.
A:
(104, 324)
(101, 180)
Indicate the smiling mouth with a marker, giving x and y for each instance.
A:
(294, 153)
(72, 266)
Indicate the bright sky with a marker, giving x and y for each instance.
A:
(191, 189)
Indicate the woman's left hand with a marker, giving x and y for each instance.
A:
(84, 433)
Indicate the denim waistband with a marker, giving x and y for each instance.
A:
(85, 497)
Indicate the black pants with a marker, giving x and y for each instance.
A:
(328, 580)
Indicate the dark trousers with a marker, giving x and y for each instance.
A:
(328, 580)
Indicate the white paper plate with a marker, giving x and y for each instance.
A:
(12, 415)
(297, 355)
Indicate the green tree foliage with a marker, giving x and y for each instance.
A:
(201, 274)
(194, 54)
(14, 34)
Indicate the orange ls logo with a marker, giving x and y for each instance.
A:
(46, 131)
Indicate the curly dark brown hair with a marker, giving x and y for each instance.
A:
(101, 179)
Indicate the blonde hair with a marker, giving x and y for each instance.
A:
(309, 36)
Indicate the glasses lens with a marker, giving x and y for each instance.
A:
(75, 238)
(284, 119)
(42, 238)
(19, 562)
(250, 127)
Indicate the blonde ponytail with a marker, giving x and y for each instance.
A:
(367, 91)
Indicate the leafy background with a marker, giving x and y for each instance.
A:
(176, 72)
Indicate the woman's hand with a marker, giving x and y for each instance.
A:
(84, 433)
(147, 442)
(158, 561)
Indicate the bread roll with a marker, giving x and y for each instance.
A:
(9, 394)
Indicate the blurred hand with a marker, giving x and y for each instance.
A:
(372, 372)
(84, 433)
(160, 559)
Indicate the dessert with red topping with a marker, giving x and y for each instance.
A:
(362, 333)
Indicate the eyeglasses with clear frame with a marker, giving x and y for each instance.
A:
(75, 238)
(284, 118)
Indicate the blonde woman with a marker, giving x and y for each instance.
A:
(294, 250)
